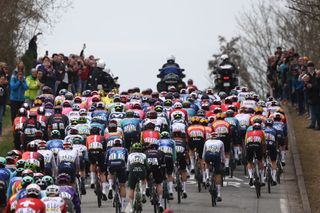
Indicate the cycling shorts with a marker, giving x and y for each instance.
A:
(135, 177)
(254, 148)
(97, 156)
(69, 168)
(272, 152)
(120, 172)
(156, 173)
(215, 160)
(169, 165)
(197, 144)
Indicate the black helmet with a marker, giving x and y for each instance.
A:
(95, 130)
(256, 126)
(269, 122)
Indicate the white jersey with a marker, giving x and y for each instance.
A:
(178, 126)
(244, 120)
(248, 104)
(272, 109)
(68, 156)
(54, 204)
(214, 146)
(242, 96)
(81, 149)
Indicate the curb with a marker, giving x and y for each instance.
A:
(297, 164)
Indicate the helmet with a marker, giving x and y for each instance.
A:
(32, 114)
(229, 113)
(37, 176)
(117, 142)
(152, 114)
(55, 134)
(68, 96)
(41, 183)
(258, 110)
(26, 180)
(112, 124)
(280, 110)
(129, 114)
(63, 92)
(41, 111)
(177, 116)
(101, 64)
(77, 100)
(19, 171)
(42, 145)
(204, 121)
(209, 91)
(171, 58)
(52, 190)
(67, 145)
(168, 102)
(46, 90)
(48, 105)
(63, 177)
(216, 102)
(195, 120)
(224, 57)
(31, 164)
(261, 103)
(27, 172)
(86, 93)
(15, 153)
(257, 120)
(137, 147)
(75, 107)
(58, 109)
(222, 95)
(228, 100)
(95, 130)
(32, 146)
(149, 125)
(48, 180)
(233, 108)
(269, 122)
(220, 116)
(214, 135)
(22, 112)
(74, 121)
(164, 134)
(118, 107)
(3, 162)
(205, 106)
(136, 105)
(100, 105)
(217, 110)
(201, 113)
(82, 112)
(77, 139)
(33, 190)
(256, 126)
(37, 102)
(26, 106)
(186, 104)
(270, 98)
(92, 108)
(95, 92)
(277, 116)
(20, 163)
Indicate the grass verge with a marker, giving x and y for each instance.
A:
(309, 150)
(6, 140)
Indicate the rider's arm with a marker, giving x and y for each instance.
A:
(222, 155)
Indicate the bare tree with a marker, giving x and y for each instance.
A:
(21, 19)
(307, 8)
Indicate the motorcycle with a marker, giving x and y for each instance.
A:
(226, 78)
(170, 78)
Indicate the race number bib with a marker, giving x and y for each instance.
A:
(153, 161)
(166, 149)
(180, 149)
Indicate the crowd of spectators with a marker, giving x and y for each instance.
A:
(294, 78)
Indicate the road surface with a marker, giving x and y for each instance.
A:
(237, 196)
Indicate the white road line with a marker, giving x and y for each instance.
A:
(284, 205)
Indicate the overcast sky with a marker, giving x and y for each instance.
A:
(134, 37)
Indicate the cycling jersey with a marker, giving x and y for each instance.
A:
(30, 205)
(149, 136)
(178, 126)
(18, 123)
(271, 134)
(73, 195)
(54, 205)
(49, 162)
(253, 117)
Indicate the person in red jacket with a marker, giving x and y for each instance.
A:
(32, 202)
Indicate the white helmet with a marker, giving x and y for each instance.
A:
(52, 190)
(33, 189)
(171, 58)
(101, 64)
(224, 57)
(177, 105)
(107, 70)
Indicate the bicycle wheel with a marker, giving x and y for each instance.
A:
(98, 192)
(269, 178)
(179, 194)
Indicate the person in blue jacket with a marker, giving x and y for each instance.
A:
(18, 86)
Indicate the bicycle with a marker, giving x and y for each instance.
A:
(213, 187)
(98, 186)
(232, 161)
(268, 171)
(116, 200)
(137, 204)
(279, 166)
(154, 195)
(197, 172)
(165, 193)
(178, 185)
(78, 186)
(256, 176)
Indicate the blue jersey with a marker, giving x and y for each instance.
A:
(168, 147)
(130, 126)
(234, 124)
(281, 129)
(12, 181)
(271, 135)
(117, 156)
(5, 176)
(55, 145)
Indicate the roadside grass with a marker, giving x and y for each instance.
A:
(6, 140)
(308, 142)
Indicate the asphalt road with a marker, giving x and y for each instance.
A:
(237, 196)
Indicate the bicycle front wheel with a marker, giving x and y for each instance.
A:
(99, 193)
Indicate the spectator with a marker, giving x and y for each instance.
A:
(49, 76)
(18, 86)
(3, 97)
(60, 70)
(33, 87)
(312, 91)
(85, 74)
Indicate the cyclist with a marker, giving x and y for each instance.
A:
(282, 133)
(137, 166)
(49, 161)
(131, 129)
(30, 127)
(168, 147)
(57, 121)
(18, 126)
(5, 176)
(68, 161)
(255, 142)
(32, 201)
(32, 158)
(234, 133)
(213, 152)
(196, 138)
(271, 135)
(149, 134)
(116, 160)
(223, 129)
(156, 162)
(258, 111)
(53, 202)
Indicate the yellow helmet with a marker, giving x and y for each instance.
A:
(280, 110)
(220, 116)
(195, 119)
(258, 109)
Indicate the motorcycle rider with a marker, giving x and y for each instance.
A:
(171, 67)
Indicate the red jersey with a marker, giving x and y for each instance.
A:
(196, 132)
(94, 142)
(224, 107)
(209, 113)
(31, 205)
(149, 136)
(208, 131)
(221, 127)
(18, 123)
(255, 136)
(212, 107)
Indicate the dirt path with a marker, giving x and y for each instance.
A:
(308, 142)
